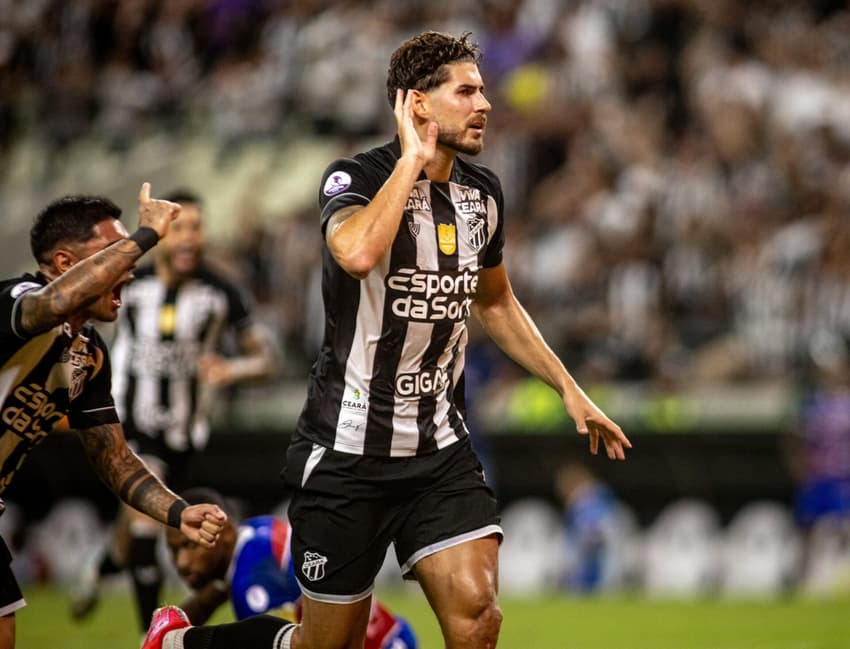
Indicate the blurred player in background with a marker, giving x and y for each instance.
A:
(818, 452)
(55, 365)
(251, 566)
(167, 370)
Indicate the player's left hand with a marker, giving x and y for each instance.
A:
(214, 370)
(591, 421)
(203, 523)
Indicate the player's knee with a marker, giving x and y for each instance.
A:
(480, 616)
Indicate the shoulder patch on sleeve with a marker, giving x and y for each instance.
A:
(22, 288)
(337, 182)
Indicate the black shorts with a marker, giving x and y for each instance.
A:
(351, 507)
(11, 597)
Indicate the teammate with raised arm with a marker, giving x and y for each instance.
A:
(53, 363)
(167, 372)
(381, 452)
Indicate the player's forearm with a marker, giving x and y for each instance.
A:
(79, 286)
(260, 356)
(126, 475)
(512, 329)
(359, 240)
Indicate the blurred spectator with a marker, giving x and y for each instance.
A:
(598, 531)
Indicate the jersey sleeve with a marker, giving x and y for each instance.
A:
(10, 312)
(239, 307)
(346, 182)
(493, 252)
(95, 406)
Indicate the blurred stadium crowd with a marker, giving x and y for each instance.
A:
(677, 172)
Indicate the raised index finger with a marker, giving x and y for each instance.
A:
(145, 193)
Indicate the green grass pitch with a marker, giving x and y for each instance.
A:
(539, 623)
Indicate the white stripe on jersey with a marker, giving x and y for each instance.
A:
(405, 433)
(351, 423)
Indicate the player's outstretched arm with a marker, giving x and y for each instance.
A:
(131, 480)
(88, 279)
(259, 360)
(512, 329)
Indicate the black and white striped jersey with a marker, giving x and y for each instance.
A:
(45, 377)
(162, 333)
(389, 377)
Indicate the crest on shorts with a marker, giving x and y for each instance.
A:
(314, 565)
(447, 238)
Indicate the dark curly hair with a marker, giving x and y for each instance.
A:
(419, 63)
(68, 220)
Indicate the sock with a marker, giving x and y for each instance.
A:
(146, 575)
(260, 632)
(285, 637)
(174, 639)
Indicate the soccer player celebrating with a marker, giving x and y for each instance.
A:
(54, 365)
(414, 235)
(166, 374)
(250, 566)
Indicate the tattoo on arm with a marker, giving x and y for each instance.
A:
(124, 490)
(124, 472)
(77, 287)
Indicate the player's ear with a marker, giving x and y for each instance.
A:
(63, 259)
(421, 105)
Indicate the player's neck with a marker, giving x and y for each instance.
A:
(440, 168)
(167, 275)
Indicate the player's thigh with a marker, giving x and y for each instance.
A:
(332, 626)
(461, 582)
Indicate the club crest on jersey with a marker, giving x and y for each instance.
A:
(447, 238)
(337, 182)
(477, 235)
(314, 565)
(412, 225)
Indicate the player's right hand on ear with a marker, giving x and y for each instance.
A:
(155, 213)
